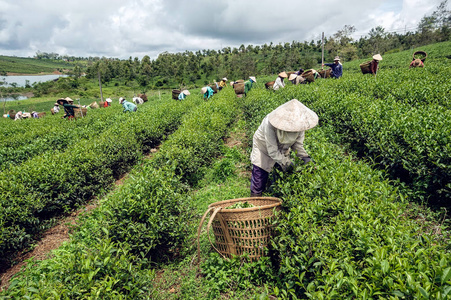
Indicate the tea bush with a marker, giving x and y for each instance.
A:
(346, 232)
(145, 221)
(49, 184)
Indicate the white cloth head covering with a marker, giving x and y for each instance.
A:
(293, 116)
(286, 137)
(108, 100)
(121, 99)
(377, 57)
(253, 78)
(292, 76)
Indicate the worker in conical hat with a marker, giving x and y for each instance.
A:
(183, 94)
(207, 92)
(223, 83)
(281, 130)
(248, 84)
(56, 108)
(279, 81)
(337, 68)
(374, 65)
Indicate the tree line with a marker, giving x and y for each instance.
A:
(205, 66)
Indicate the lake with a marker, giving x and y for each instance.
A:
(20, 80)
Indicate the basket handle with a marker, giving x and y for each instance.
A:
(215, 211)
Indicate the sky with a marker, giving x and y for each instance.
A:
(134, 28)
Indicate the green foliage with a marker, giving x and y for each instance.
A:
(31, 66)
(48, 184)
(346, 232)
(235, 274)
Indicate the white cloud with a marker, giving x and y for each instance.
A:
(136, 28)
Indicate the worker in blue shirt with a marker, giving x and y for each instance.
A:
(128, 106)
(337, 68)
(183, 94)
(207, 92)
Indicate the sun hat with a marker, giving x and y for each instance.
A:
(253, 78)
(293, 116)
(121, 99)
(186, 92)
(56, 104)
(108, 100)
(292, 76)
(225, 78)
(336, 58)
(68, 99)
(283, 74)
(203, 90)
(377, 57)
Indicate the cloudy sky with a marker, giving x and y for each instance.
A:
(124, 28)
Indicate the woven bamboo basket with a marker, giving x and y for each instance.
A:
(309, 75)
(144, 97)
(269, 85)
(325, 73)
(175, 94)
(239, 88)
(421, 55)
(365, 67)
(214, 87)
(242, 230)
(80, 112)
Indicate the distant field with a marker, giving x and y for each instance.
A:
(21, 65)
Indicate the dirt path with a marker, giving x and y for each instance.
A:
(55, 236)
(50, 240)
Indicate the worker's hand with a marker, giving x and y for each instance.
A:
(306, 159)
(288, 167)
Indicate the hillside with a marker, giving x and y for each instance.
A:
(10, 65)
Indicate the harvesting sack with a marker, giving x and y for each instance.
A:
(94, 105)
(175, 94)
(241, 230)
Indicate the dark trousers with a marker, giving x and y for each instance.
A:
(258, 180)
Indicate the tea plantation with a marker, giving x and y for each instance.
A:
(367, 220)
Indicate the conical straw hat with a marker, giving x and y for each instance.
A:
(293, 116)
(203, 90)
(186, 92)
(225, 78)
(377, 57)
(292, 76)
(283, 74)
(69, 99)
(253, 78)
